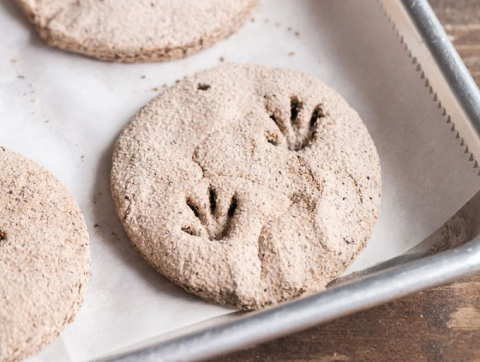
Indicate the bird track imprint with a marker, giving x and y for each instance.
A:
(299, 130)
(212, 220)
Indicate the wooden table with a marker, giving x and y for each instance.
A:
(437, 325)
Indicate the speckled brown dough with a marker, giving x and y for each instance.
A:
(44, 257)
(140, 30)
(247, 185)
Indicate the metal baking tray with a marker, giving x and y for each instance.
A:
(65, 111)
(424, 266)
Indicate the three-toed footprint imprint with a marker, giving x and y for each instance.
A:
(299, 129)
(211, 219)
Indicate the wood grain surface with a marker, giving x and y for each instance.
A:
(437, 325)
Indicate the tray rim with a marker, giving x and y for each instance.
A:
(359, 294)
(335, 302)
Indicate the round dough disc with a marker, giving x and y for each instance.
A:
(44, 257)
(140, 30)
(247, 185)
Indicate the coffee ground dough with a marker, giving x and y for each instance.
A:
(247, 185)
(140, 30)
(44, 257)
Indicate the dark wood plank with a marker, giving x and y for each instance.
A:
(461, 19)
(437, 325)
(441, 324)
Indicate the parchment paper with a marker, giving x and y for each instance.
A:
(65, 112)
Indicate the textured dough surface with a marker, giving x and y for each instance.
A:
(44, 257)
(247, 185)
(140, 30)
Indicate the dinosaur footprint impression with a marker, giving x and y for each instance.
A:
(296, 126)
(221, 208)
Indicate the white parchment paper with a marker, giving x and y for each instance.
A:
(65, 111)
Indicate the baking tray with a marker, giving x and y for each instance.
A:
(65, 111)
(453, 88)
